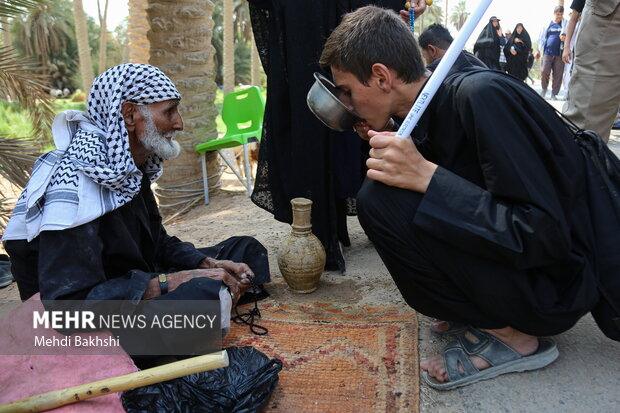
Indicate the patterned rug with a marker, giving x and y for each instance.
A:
(338, 359)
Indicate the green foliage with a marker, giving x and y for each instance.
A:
(47, 34)
(242, 31)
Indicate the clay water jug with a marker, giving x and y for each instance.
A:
(302, 256)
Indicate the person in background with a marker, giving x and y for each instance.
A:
(530, 63)
(502, 56)
(594, 95)
(549, 42)
(489, 42)
(516, 51)
(434, 42)
(571, 32)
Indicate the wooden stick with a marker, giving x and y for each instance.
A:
(58, 398)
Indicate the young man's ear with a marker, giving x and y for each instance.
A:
(129, 111)
(382, 76)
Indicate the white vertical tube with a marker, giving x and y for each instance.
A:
(442, 70)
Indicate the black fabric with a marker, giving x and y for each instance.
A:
(578, 5)
(242, 387)
(471, 59)
(487, 46)
(501, 236)
(517, 65)
(115, 256)
(300, 157)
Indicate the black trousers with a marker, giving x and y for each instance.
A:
(243, 249)
(439, 280)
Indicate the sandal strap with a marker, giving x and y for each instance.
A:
(486, 346)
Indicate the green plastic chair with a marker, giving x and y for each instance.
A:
(242, 112)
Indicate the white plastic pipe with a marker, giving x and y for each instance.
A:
(442, 70)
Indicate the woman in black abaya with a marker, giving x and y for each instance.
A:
(299, 156)
(487, 46)
(516, 52)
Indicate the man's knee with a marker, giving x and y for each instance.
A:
(377, 202)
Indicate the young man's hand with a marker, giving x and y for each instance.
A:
(396, 162)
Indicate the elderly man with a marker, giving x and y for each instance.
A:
(87, 225)
(480, 217)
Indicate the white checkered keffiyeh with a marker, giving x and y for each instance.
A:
(91, 172)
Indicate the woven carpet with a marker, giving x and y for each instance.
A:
(338, 359)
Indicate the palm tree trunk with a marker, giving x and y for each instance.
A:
(180, 37)
(103, 35)
(228, 47)
(81, 32)
(6, 34)
(446, 18)
(138, 25)
(256, 64)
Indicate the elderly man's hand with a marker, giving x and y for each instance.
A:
(237, 268)
(396, 162)
(238, 284)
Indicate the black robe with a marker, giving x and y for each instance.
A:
(299, 156)
(115, 256)
(517, 65)
(487, 46)
(502, 236)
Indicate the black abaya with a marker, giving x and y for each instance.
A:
(516, 65)
(299, 156)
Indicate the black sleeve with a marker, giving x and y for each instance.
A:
(518, 218)
(578, 5)
(71, 267)
(177, 254)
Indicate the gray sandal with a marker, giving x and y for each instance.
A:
(502, 359)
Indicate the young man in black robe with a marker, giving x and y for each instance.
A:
(480, 217)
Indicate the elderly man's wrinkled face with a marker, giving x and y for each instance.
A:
(160, 123)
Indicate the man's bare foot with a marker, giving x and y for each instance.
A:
(522, 343)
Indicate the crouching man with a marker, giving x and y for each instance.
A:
(480, 216)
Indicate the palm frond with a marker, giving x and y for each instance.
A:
(14, 8)
(18, 155)
(20, 80)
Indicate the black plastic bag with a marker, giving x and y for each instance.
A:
(244, 386)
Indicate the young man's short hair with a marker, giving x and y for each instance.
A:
(436, 35)
(558, 9)
(372, 35)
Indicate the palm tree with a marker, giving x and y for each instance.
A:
(459, 15)
(81, 32)
(180, 37)
(229, 47)
(19, 79)
(433, 14)
(4, 26)
(103, 33)
(136, 32)
(255, 64)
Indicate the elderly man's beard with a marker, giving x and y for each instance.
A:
(163, 146)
